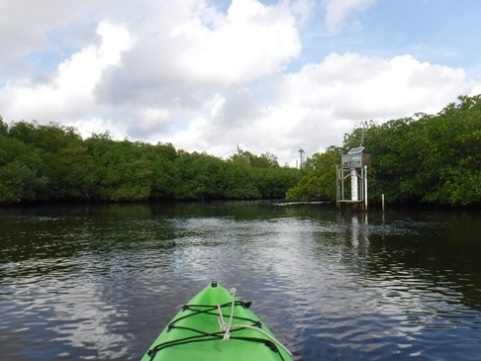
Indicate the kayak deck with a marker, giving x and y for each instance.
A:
(216, 325)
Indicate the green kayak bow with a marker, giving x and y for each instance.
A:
(216, 325)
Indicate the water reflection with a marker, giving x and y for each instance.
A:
(101, 282)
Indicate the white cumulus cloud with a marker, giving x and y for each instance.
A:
(253, 40)
(68, 94)
(314, 107)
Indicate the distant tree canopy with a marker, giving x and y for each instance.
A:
(319, 180)
(432, 159)
(53, 163)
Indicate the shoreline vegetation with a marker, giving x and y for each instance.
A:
(428, 159)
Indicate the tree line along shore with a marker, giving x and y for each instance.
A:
(429, 159)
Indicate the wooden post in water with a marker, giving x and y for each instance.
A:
(338, 190)
(365, 188)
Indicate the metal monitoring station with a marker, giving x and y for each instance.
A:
(353, 173)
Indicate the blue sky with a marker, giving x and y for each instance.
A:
(211, 75)
(439, 31)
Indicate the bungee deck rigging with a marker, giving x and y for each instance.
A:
(216, 325)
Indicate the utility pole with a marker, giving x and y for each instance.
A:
(301, 154)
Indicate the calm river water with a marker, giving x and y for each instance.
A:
(100, 282)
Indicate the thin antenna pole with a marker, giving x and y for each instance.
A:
(362, 134)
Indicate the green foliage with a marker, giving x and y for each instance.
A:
(425, 158)
(422, 159)
(44, 163)
(320, 179)
(428, 158)
(240, 181)
(265, 160)
(198, 176)
(20, 175)
(3, 127)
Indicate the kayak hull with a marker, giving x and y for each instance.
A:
(216, 325)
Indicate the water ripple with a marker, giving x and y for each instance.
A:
(101, 283)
